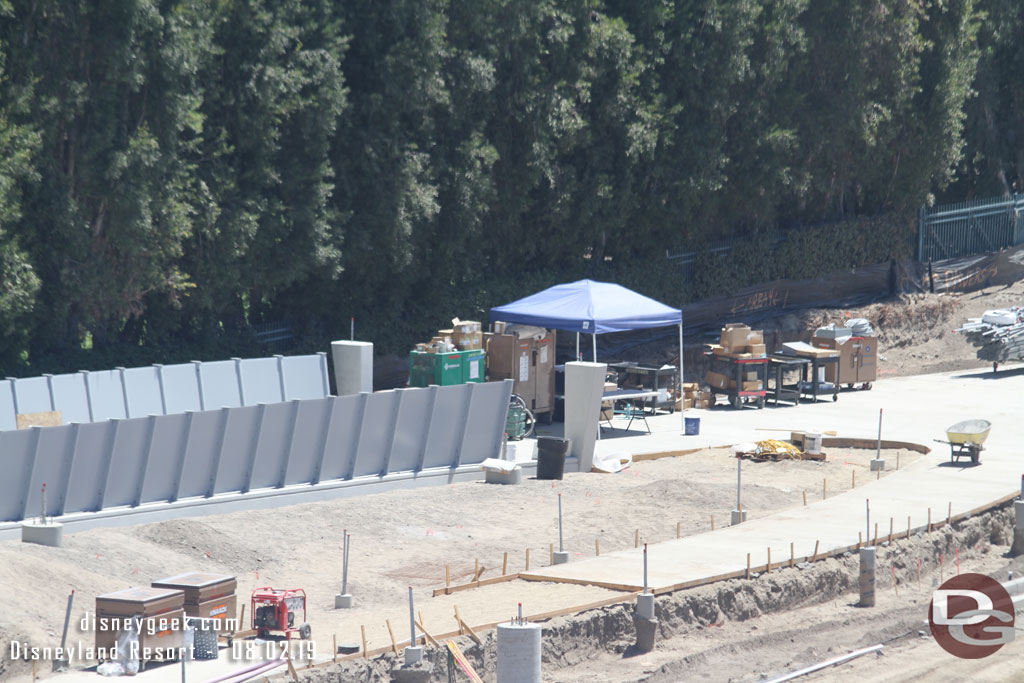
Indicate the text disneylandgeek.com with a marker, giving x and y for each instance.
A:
(154, 627)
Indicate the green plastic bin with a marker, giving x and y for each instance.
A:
(443, 369)
(473, 365)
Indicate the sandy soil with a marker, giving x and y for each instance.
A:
(406, 538)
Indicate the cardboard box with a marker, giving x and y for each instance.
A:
(758, 350)
(688, 403)
(690, 387)
(752, 385)
(735, 336)
(466, 326)
(468, 341)
(719, 381)
(756, 337)
(750, 375)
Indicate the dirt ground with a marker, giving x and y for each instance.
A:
(406, 538)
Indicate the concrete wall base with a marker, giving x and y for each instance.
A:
(877, 465)
(507, 478)
(645, 605)
(646, 631)
(342, 601)
(561, 557)
(51, 534)
(738, 516)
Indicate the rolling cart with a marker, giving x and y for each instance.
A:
(735, 369)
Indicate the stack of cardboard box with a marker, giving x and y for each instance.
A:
(738, 341)
(464, 335)
(694, 397)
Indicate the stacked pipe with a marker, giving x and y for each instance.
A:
(998, 335)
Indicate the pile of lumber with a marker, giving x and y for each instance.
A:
(998, 335)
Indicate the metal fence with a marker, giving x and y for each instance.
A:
(966, 228)
(165, 389)
(128, 463)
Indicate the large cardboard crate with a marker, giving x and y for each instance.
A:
(858, 359)
(161, 625)
(530, 363)
(207, 595)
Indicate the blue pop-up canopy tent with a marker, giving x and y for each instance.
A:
(594, 308)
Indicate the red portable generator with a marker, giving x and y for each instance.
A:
(275, 609)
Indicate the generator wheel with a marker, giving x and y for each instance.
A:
(305, 631)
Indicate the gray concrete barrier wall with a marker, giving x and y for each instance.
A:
(125, 393)
(131, 461)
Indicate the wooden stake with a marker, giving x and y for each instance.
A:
(748, 565)
(860, 539)
(929, 520)
(679, 527)
(527, 559)
(551, 553)
(878, 474)
(908, 526)
(636, 539)
(335, 641)
(897, 459)
(458, 621)
(853, 479)
(876, 534)
(890, 531)
(792, 556)
(363, 629)
(504, 564)
(447, 579)
(814, 558)
(391, 632)
(467, 627)
(824, 488)
(768, 571)
(712, 523)
(241, 617)
(949, 514)
(597, 547)
(291, 667)
(476, 568)
(805, 498)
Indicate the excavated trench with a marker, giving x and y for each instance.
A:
(570, 640)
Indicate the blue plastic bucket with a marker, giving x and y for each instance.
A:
(692, 425)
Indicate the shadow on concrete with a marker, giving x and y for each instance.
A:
(988, 374)
(961, 465)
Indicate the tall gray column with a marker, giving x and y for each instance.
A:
(584, 386)
(353, 367)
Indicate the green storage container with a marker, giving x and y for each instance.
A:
(443, 369)
(474, 365)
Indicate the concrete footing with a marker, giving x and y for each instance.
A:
(867, 577)
(738, 516)
(420, 672)
(645, 623)
(1018, 527)
(349, 648)
(561, 557)
(877, 465)
(342, 601)
(519, 653)
(51, 534)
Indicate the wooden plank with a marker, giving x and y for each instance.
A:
(462, 624)
(475, 584)
(463, 662)
(49, 418)
(420, 626)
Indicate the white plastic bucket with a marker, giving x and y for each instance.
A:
(812, 443)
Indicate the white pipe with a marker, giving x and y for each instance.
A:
(577, 357)
(244, 670)
(259, 672)
(595, 346)
(825, 665)
(681, 394)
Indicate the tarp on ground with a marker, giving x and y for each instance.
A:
(588, 306)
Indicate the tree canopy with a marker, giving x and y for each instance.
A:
(173, 172)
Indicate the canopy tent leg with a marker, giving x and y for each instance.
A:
(595, 346)
(682, 407)
(577, 346)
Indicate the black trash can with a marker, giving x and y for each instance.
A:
(551, 453)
